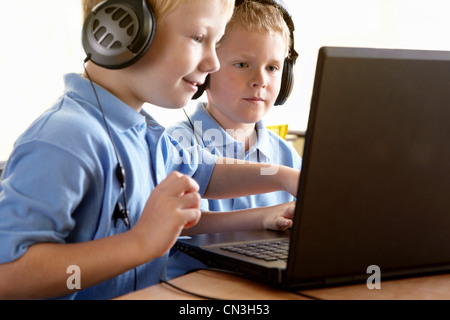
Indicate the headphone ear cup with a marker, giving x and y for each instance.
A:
(118, 33)
(287, 82)
(201, 89)
(199, 92)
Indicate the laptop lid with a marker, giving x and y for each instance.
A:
(376, 170)
(375, 177)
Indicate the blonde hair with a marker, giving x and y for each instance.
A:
(260, 17)
(160, 7)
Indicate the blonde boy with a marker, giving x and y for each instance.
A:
(252, 54)
(60, 189)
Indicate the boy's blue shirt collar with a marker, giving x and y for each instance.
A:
(208, 122)
(118, 113)
(151, 122)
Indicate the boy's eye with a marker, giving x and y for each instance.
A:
(241, 65)
(198, 38)
(272, 68)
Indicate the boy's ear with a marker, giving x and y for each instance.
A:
(117, 33)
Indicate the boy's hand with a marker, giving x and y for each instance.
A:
(172, 206)
(279, 217)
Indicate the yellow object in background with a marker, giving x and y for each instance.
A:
(281, 130)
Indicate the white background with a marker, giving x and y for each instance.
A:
(40, 41)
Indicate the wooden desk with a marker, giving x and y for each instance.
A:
(436, 287)
(212, 284)
(230, 287)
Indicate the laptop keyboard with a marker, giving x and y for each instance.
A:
(267, 251)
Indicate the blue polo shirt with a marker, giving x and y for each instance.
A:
(60, 185)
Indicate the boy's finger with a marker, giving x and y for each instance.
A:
(288, 210)
(179, 183)
(283, 223)
(185, 184)
(192, 217)
(190, 200)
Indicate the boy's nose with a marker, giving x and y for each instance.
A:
(258, 80)
(210, 62)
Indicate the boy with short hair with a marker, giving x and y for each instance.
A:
(252, 52)
(91, 186)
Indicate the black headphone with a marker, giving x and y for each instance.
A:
(117, 33)
(287, 80)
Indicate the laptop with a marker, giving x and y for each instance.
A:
(375, 183)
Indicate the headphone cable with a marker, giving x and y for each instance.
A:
(120, 171)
